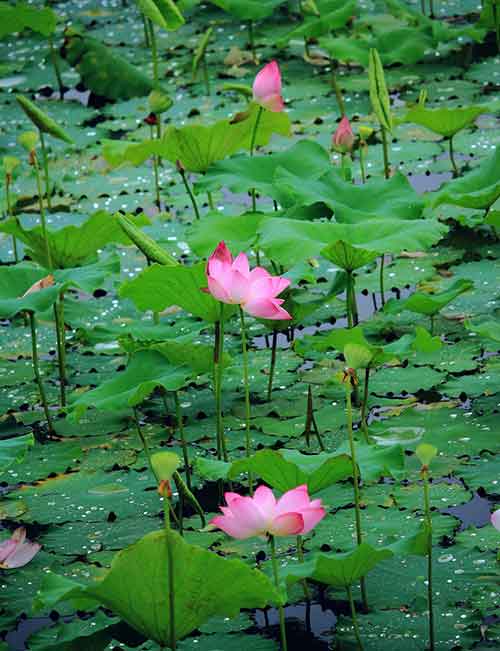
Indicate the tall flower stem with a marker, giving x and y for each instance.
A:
(210, 200)
(143, 440)
(61, 345)
(36, 370)
(281, 610)
(252, 150)
(55, 64)
(364, 405)
(45, 162)
(185, 181)
(456, 171)
(427, 509)
(362, 163)
(155, 171)
(354, 618)
(351, 304)
(385, 147)
(147, 40)
(206, 77)
(247, 394)
(355, 476)
(272, 366)
(336, 87)
(381, 279)
(8, 181)
(218, 368)
(154, 50)
(33, 158)
(180, 429)
(300, 554)
(170, 571)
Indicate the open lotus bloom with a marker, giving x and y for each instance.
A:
(495, 519)
(231, 281)
(292, 515)
(17, 551)
(267, 88)
(343, 138)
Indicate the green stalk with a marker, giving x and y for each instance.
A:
(354, 618)
(345, 166)
(144, 441)
(381, 278)
(154, 50)
(147, 40)
(364, 405)
(36, 369)
(422, 6)
(182, 172)
(210, 199)
(42, 210)
(431, 8)
(251, 40)
(336, 87)
(386, 151)
(45, 161)
(61, 346)
(456, 171)
(247, 395)
(272, 366)
(155, 171)
(170, 570)
(206, 77)
(427, 508)
(252, 148)
(362, 164)
(281, 610)
(180, 428)
(10, 214)
(218, 368)
(300, 554)
(355, 475)
(348, 298)
(55, 63)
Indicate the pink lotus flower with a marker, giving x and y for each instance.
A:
(17, 551)
(343, 138)
(267, 88)
(231, 281)
(292, 515)
(495, 519)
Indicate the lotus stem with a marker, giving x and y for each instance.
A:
(300, 554)
(336, 87)
(170, 571)
(10, 214)
(143, 440)
(385, 146)
(252, 150)
(61, 346)
(42, 210)
(182, 172)
(456, 171)
(272, 366)
(206, 77)
(355, 476)
(364, 405)
(422, 6)
(381, 279)
(55, 64)
(362, 164)
(281, 610)
(247, 395)
(251, 40)
(354, 618)
(351, 304)
(180, 429)
(431, 8)
(155, 172)
(218, 369)
(210, 200)
(45, 161)
(154, 50)
(36, 369)
(147, 40)
(427, 508)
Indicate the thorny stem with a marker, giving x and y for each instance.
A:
(385, 151)
(272, 366)
(36, 369)
(456, 171)
(381, 279)
(281, 610)
(45, 161)
(180, 429)
(354, 618)
(182, 172)
(336, 87)
(427, 508)
(42, 210)
(364, 405)
(247, 394)
(252, 149)
(355, 476)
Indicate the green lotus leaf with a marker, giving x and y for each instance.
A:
(16, 18)
(249, 9)
(348, 257)
(13, 450)
(42, 121)
(334, 15)
(442, 120)
(163, 13)
(240, 233)
(15, 281)
(486, 329)
(429, 304)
